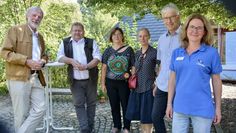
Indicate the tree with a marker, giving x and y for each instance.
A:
(55, 26)
(12, 12)
(212, 9)
(97, 24)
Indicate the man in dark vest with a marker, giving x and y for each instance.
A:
(82, 56)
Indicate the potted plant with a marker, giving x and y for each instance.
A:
(101, 96)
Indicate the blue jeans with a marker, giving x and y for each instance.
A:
(159, 111)
(180, 123)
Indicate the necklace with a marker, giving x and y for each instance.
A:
(143, 55)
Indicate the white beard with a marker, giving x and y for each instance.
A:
(33, 25)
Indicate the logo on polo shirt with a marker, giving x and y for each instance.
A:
(180, 58)
(200, 63)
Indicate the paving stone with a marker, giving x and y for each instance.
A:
(64, 114)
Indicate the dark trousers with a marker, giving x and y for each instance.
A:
(84, 95)
(118, 93)
(158, 111)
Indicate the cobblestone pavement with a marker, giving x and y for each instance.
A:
(64, 114)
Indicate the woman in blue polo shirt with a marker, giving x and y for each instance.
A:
(192, 67)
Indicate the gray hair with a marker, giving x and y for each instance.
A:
(34, 8)
(168, 7)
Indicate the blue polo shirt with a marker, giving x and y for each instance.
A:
(193, 73)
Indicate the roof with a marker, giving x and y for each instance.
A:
(155, 26)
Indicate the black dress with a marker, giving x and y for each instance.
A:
(141, 99)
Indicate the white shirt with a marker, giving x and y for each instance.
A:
(79, 55)
(36, 54)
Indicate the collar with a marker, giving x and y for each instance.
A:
(80, 41)
(34, 33)
(182, 50)
(202, 48)
(175, 33)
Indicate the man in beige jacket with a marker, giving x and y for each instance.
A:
(23, 50)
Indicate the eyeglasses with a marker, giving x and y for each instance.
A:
(169, 18)
(198, 28)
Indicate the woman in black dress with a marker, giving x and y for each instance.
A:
(141, 99)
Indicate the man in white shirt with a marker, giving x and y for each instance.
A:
(82, 56)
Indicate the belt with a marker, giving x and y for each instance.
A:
(34, 71)
(81, 79)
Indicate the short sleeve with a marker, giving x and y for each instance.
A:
(216, 63)
(105, 55)
(154, 57)
(173, 56)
